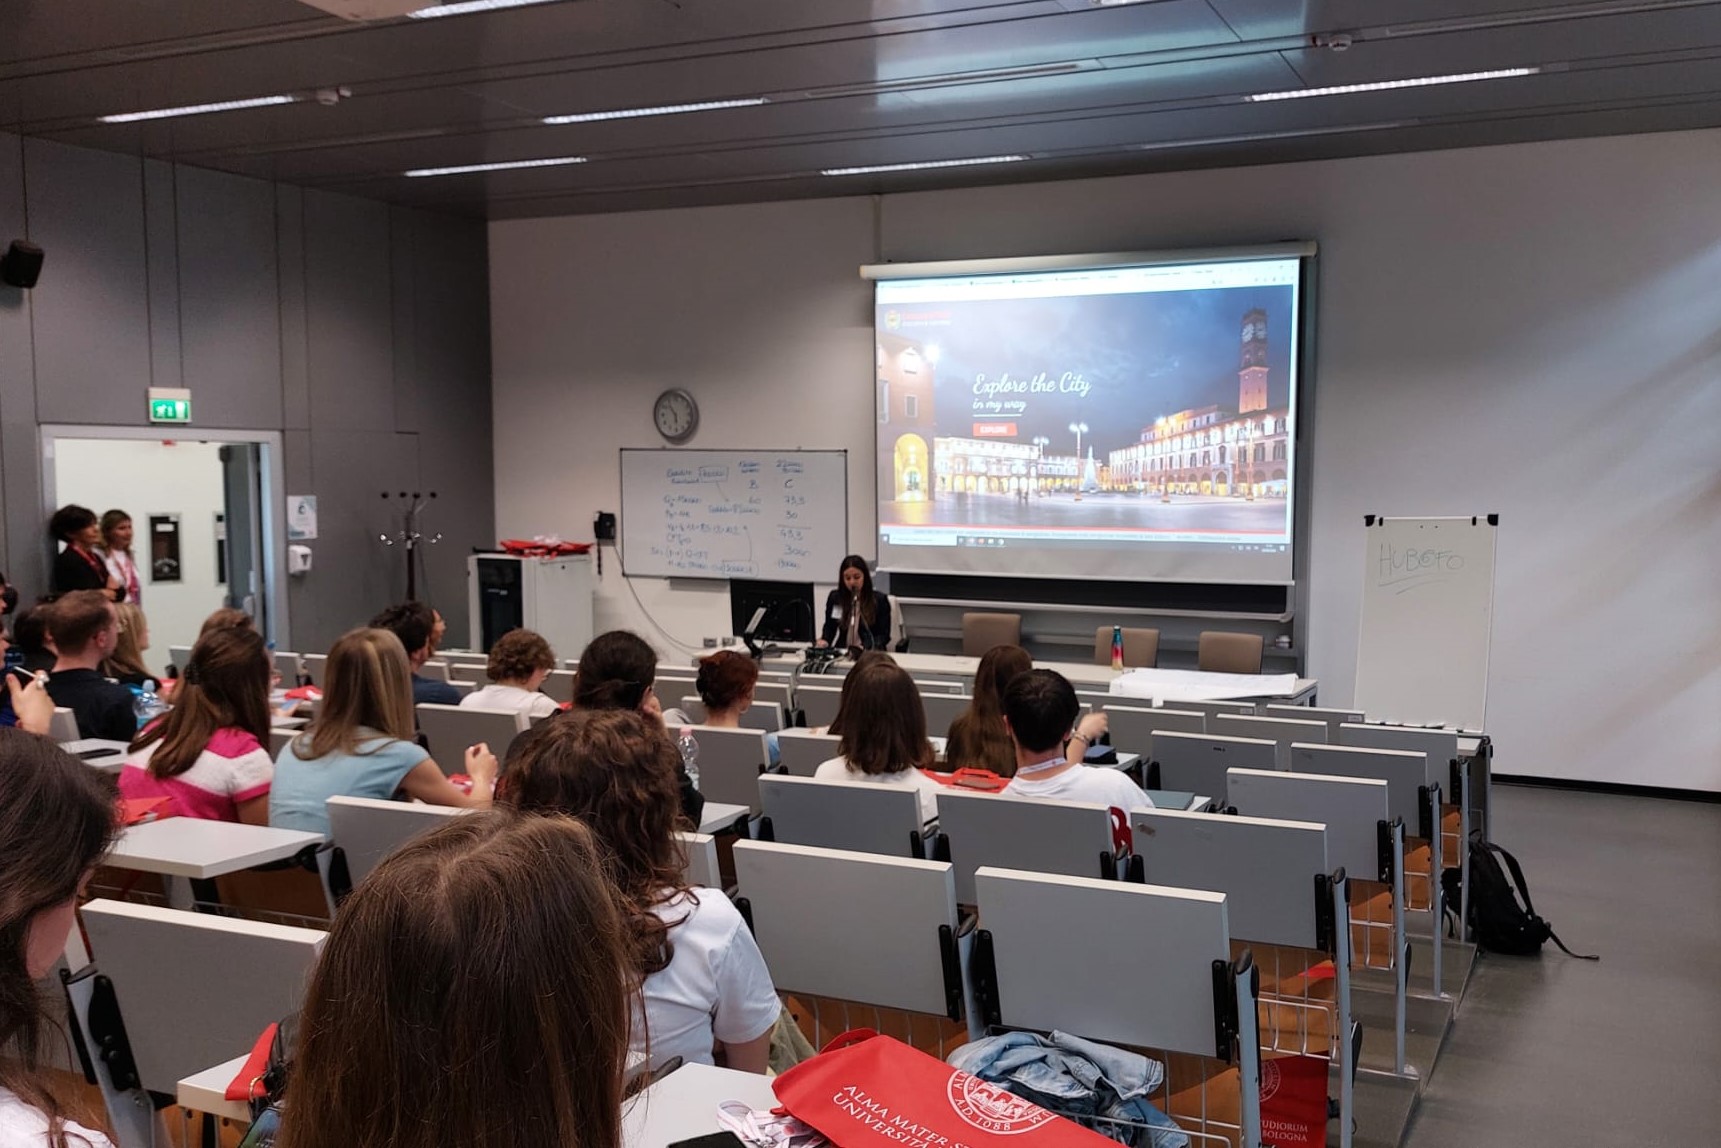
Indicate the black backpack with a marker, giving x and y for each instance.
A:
(1502, 925)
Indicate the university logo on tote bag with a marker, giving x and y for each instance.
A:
(865, 1089)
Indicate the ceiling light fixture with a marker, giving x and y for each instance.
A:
(509, 165)
(1389, 85)
(1265, 137)
(197, 109)
(462, 7)
(665, 110)
(883, 167)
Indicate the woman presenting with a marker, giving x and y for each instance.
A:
(856, 615)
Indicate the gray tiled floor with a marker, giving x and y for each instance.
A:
(1553, 1051)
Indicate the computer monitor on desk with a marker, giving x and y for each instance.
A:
(766, 612)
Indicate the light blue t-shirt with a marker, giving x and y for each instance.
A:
(301, 787)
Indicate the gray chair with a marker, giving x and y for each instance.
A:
(559, 685)
(316, 667)
(63, 726)
(1140, 646)
(942, 709)
(854, 815)
(1032, 834)
(730, 761)
(1133, 728)
(803, 751)
(982, 631)
(1197, 763)
(450, 729)
(1226, 652)
(365, 830)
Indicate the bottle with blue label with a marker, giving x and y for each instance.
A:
(148, 705)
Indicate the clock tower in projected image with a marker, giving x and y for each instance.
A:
(1252, 378)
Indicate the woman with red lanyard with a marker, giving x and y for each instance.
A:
(78, 566)
(116, 553)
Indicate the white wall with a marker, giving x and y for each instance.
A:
(145, 477)
(1531, 330)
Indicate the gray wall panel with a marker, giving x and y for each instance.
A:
(403, 259)
(161, 267)
(350, 313)
(91, 327)
(17, 371)
(229, 299)
(290, 266)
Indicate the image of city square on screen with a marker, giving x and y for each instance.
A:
(1160, 416)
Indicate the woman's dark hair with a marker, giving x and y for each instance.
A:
(725, 678)
(30, 629)
(978, 736)
(517, 655)
(70, 520)
(57, 819)
(111, 521)
(867, 606)
(474, 990)
(615, 671)
(226, 618)
(225, 685)
(866, 658)
(884, 723)
(615, 771)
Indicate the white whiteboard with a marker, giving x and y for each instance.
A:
(778, 515)
(1427, 615)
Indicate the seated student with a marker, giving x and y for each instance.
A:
(361, 743)
(411, 622)
(704, 978)
(865, 658)
(450, 1008)
(726, 680)
(85, 628)
(30, 635)
(209, 753)
(616, 672)
(883, 736)
(56, 821)
(1040, 709)
(125, 664)
(978, 739)
(519, 662)
(224, 618)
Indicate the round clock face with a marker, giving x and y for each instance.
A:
(676, 415)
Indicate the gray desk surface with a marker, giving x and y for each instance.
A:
(194, 847)
(112, 753)
(684, 1104)
(207, 1091)
(717, 816)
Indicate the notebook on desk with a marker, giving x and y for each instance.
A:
(1173, 799)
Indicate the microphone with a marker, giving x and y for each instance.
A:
(864, 630)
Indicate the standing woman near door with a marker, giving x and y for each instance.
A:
(117, 554)
(79, 566)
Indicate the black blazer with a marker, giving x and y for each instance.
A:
(873, 636)
(72, 571)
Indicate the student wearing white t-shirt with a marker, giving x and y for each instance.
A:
(519, 662)
(705, 986)
(56, 822)
(883, 734)
(1040, 710)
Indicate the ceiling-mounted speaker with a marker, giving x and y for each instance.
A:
(21, 266)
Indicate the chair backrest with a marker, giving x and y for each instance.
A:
(1333, 718)
(450, 729)
(701, 859)
(1227, 652)
(1031, 834)
(179, 656)
(1351, 808)
(767, 716)
(1278, 730)
(939, 686)
(1214, 709)
(1132, 727)
(819, 703)
(195, 989)
(1140, 646)
(63, 726)
(1265, 868)
(729, 764)
(942, 709)
(766, 691)
(462, 687)
(982, 631)
(278, 739)
(475, 672)
(287, 665)
(436, 669)
(1405, 773)
(856, 815)
(366, 829)
(1441, 745)
(851, 925)
(803, 751)
(316, 667)
(1147, 957)
(1197, 763)
(559, 684)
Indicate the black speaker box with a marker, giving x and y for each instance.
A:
(21, 266)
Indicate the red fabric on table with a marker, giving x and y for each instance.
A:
(255, 1065)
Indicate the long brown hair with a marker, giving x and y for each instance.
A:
(367, 684)
(614, 770)
(474, 990)
(884, 724)
(127, 658)
(225, 685)
(224, 618)
(615, 671)
(866, 658)
(864, 599)
(978, 736)
(56, 821)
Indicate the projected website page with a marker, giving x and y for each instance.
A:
(1130, 423)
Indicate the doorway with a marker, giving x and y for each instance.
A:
(204, 535)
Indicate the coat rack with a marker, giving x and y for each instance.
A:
(410, 536)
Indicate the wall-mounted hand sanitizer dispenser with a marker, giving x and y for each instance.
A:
(298, 559)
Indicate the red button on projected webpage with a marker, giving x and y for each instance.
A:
(994, 430)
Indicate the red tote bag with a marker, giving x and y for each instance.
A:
(866, 1090)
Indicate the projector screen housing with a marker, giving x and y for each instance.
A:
(1119, 417)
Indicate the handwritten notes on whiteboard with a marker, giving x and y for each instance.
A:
(774, 515)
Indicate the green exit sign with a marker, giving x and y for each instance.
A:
(169, 410)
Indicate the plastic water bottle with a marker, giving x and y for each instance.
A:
(1117, 647)
(148, 704)
(689, 755)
